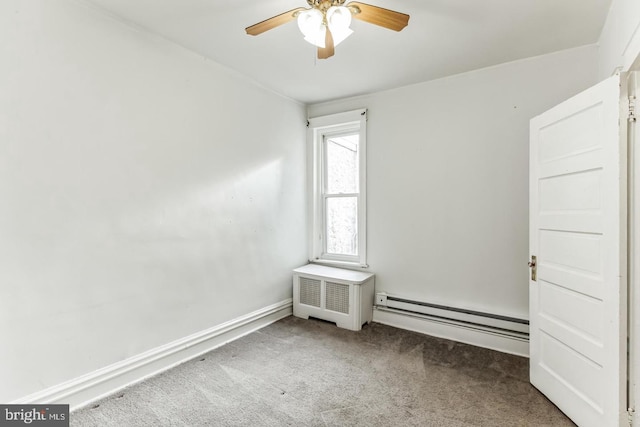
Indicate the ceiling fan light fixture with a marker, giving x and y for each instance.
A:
(310, 23)
(339, 20)
(326, 23)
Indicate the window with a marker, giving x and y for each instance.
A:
(337, 188)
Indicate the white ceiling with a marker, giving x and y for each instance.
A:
(444, 37)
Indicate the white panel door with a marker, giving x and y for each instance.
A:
(577, 231)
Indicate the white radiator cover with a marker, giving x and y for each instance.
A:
(334, 294)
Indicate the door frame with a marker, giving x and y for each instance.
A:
(633, 156)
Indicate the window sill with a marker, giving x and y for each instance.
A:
(335, 263)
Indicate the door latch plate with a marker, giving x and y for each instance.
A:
(533, 264)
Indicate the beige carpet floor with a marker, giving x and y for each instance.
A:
(310, 373)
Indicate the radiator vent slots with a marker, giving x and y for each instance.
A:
(333, 294)
(310, 291)
(337, 298)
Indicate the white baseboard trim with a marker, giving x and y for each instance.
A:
(452, 330)
(98, 384)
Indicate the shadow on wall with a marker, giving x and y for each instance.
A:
(213, 253)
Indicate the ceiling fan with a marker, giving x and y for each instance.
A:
(326, 23)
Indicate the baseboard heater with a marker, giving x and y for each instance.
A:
(488, 322)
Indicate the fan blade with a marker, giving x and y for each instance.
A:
(379, 16)
(273, 22)
(329, 49)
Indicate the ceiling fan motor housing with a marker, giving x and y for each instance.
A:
(324, 4)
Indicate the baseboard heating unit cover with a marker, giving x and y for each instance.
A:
(503, 333)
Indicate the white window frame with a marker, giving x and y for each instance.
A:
(320, 128)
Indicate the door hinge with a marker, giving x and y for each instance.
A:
(632, 108)
(630, 415)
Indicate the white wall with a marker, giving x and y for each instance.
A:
(620, 38)
(448, 179)
(145, 193)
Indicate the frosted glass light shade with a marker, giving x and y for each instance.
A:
(310, 24)
(339, 20)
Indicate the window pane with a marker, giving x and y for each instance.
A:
(342, 225)
(342, 164)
